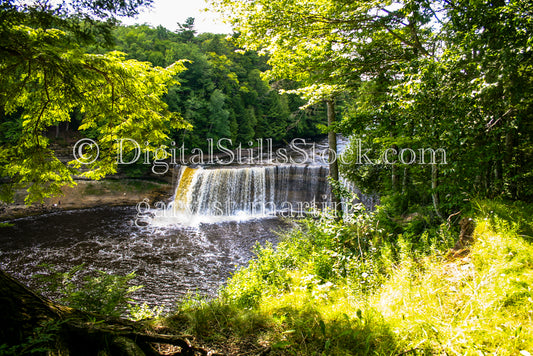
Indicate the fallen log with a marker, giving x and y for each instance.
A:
(31, 323)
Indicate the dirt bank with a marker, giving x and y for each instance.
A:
(88, 194)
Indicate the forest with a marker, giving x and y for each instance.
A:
(436, 99)
(221, 94)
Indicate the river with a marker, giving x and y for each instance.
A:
(169, 261)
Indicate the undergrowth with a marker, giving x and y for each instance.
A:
(96, 292)
(353, 288)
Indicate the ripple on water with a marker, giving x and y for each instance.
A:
(170, 261)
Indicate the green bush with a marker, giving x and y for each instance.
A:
(357, 288)
(101, 293)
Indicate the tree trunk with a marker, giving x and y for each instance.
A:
(395, 180)
(28, 321)
(509, 168)
(434, 186)
(333, 159)
(405, 181)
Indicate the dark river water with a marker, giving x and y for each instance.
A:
(169, 261)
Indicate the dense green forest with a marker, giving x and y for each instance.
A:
(222, 94)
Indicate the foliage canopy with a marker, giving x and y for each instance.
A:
(414, 75)
(47, 78)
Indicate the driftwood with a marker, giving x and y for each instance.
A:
(466, 236)
(23, 311)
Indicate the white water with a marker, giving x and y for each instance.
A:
(212, 195)
(243, 193)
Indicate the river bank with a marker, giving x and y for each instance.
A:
(90, 194)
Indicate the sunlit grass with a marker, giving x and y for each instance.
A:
(414, 303)
(480, 304)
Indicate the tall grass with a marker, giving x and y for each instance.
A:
(353, 289)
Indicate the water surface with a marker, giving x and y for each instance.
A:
(169, 261)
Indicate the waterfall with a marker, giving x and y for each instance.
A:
(370, 201)
(249, 191)
(182, 195)
(214, 194)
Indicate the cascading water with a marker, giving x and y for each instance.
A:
(369, 201)
(248, 192)
(215, 194)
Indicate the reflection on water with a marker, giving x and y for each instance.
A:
(169, 261)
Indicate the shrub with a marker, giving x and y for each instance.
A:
(101, 293)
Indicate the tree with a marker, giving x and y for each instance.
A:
(46, 76)
(322, 43)
(490, 55)
(186, 31)
(219, 116)
(466, 98)
(88, 21)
